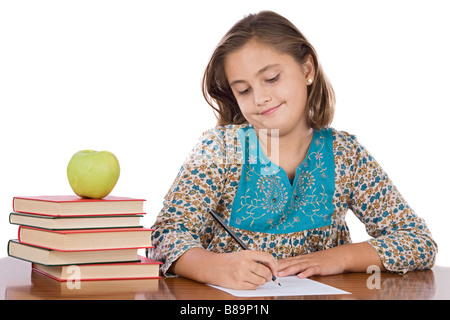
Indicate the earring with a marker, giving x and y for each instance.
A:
(310, 81)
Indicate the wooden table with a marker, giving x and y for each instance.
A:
(18, 282)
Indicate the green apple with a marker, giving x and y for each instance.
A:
(93, 174)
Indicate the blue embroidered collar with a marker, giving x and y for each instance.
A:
(266, 201)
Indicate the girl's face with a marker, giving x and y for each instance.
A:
(270, 87)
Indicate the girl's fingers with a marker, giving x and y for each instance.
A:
(308, 272)
(265, 260)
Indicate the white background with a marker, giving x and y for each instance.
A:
(125, 76)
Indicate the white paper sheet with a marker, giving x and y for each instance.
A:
(290, 286)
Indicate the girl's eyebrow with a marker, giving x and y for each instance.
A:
(270, 66)
(261, 71)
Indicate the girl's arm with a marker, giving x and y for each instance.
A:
(400, 241)
(183, 223)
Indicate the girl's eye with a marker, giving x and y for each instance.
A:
(243, 92)
(274, 79)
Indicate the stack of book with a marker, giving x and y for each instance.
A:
(100, 237)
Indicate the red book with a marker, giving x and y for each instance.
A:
(145, 269)
(50, 257)
(76, 222)
(86, 239)
(72, 205)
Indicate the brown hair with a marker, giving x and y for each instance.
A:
(272, 29)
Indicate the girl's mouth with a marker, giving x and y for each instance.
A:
(270, 110)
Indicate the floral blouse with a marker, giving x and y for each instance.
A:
(227, 172)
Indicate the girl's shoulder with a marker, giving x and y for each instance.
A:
(230, 130)
(343, 138)
(222, 136)
(346, 144)
(220, 143)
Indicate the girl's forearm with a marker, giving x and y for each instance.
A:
(359, 256)
(194, 264)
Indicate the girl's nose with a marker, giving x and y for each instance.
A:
(262, 96)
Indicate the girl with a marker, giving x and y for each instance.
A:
(279, 176)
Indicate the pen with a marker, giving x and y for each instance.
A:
(235, 237)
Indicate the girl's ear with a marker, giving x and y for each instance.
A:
(308, 69)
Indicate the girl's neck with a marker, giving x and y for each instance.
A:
(287, 149)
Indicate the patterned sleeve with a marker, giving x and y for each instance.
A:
(400, 237)
(182, 223)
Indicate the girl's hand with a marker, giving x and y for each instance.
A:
(244, 269)
(324, 262)
(236, 270)
(350, 257)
